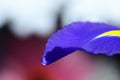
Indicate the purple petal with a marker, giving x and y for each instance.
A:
(79, 36)
(108, 45)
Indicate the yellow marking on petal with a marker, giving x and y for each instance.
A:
(110, 33)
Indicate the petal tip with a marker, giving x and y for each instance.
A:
(43, 61)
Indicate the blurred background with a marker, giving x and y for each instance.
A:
(26, 25)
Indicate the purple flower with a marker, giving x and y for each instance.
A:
(94, 38)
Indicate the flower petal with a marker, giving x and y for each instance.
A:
(80, 36)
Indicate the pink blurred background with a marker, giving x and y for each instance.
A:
(21, 61)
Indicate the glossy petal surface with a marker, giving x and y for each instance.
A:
(81, 36)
